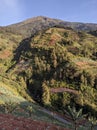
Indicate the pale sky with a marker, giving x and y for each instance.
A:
(13, 11)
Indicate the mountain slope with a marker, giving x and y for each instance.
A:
(59, 58)
(43, 61)
(10, 98)
(31, 26)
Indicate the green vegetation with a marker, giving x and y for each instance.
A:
(56, 58)
(76, 116)
(93, 122)
(53, 57)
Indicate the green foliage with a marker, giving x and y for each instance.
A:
(30, 110)
(45, 94)
(10, 107)
(52, 58)
(92, 121)
(76, 116)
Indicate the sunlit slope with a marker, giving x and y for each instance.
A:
(58, 58)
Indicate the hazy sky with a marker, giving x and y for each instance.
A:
(13, 11)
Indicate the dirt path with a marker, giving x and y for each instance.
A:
(60, 90)
(56, 116)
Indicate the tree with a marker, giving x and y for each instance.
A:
(10, 107)
(92, 121)
(45, 94)
(83, 77)
(54, 58)
(75, 115)
(30, 110)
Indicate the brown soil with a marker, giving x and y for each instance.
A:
(86, 64)
(5, 54)
(59, 90)
(81, 63)
(9, 122)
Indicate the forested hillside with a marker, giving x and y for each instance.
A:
(58, 58)
(54, 66)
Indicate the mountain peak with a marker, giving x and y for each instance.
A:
(32, 25)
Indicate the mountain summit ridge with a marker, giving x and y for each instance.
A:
(28, 20)
(32, 25)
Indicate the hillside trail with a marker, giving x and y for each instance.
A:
(55, 115)
(59, 117)
(61, 90)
